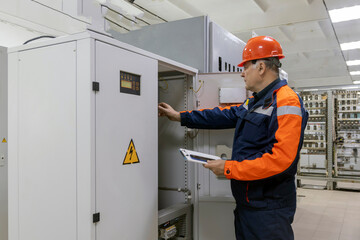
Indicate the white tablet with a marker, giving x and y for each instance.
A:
(197, 157)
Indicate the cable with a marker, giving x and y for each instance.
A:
(36, 38)
(202, 83)
(143, 21)
(102, 5)
(117, 24)
(124, 15)
(148, 11)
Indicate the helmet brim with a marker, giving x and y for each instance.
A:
(280, 56)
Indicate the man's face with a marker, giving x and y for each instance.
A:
(251, 76)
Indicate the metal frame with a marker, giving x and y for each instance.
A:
(330, 138)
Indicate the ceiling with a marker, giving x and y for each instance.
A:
(303, 27)
(311, 42)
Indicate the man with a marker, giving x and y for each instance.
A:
(269, 129)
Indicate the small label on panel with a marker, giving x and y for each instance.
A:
(129, 83)
(131, 154)
(4, 140)
(232, 95)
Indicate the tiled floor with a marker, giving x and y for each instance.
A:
(330, 215)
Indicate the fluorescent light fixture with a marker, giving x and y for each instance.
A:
(353, 62)
(350, 45)
(345, 14)
(123, 7)
(356, 82)
(355, 73)
(354, 87)
(310, 90)
(127, 7)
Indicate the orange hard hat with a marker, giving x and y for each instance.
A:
(261, 47)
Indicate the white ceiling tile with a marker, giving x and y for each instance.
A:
(348, 31)
(336, 4)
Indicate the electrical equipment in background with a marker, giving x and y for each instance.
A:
(331, 145)
(347, 144)
(313, 153)
(175, 222)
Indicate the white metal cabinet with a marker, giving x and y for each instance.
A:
(3, 146)
(42, 152)
(68, 142)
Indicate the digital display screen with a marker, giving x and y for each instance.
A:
(129, 83)
(126, 84)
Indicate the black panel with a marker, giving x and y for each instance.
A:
(96, 217)
(129, 83)
(220, 64)
(95, 86)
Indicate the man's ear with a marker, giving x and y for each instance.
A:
(262, 67)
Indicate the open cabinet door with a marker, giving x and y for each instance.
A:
(215, 204)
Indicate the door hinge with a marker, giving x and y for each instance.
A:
(96, 86)
(96, 217)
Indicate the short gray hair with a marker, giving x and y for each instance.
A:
(272, 63)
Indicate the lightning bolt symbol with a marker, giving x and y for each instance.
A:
(131, 152)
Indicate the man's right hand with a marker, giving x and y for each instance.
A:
(166, 110)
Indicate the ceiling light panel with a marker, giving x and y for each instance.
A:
(350, 45)
(354, 73)
(353, 62)
(345, 14)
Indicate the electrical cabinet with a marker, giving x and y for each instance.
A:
(313, 155)
(197, 42)
(330, 152)
(88, 146)
(83, 124)
(3, 145)
(347, 143)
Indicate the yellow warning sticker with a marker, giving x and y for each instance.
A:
(4, 140)
(131, 154)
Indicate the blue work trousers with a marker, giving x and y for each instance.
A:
(260, 224)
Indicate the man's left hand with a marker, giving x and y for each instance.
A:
(216, 166)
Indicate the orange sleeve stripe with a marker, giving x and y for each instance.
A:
(287, 97)
(283, 152)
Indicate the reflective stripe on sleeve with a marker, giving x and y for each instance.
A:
(289, 110)
(267, 111)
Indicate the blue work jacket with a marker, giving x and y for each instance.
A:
(267, 141)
